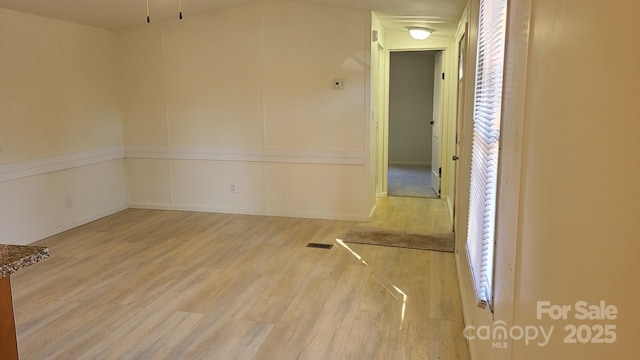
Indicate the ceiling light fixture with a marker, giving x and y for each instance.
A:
(179, 10)
(419, 33)
(148, 18)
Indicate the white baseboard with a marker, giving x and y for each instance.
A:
(150, 206)
(324, 216)
(414, 164)
(99, 215)
(213, 209)
(449, 208)
(373, 211)
(64, 227)
(464, 298)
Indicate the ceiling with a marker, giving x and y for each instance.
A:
(441, 15)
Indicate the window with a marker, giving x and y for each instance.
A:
(485, 148)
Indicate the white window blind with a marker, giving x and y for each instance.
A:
(486, 138)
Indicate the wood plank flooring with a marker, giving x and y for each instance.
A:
(147, 284)
(411, 214)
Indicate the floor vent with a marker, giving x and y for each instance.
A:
(320, 246)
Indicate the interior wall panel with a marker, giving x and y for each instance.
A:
(60, 126)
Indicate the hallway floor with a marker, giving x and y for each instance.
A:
(148, 284)
(410, 181)
(412, 214)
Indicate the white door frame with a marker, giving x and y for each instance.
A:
(383, 163)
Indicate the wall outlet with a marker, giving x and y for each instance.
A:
(232, 188)
(339, 84)
(68, 202)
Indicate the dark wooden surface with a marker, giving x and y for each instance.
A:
(8, 341)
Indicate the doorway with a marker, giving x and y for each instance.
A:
(415, 107)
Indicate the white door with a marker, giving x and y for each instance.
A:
(437, 124)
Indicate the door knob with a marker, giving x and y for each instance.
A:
(454, 158)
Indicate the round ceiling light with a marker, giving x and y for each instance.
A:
(419, 33)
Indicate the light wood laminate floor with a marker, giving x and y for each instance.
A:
(146, 284)
(412, 214)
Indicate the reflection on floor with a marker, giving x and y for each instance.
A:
(147, 284)
(410, 181)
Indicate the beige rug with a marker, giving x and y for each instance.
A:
(398, 238)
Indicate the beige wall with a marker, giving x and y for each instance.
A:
(569, 226)
(244, 96)
(411, 107)
(572, 234)
(60, 129)
(59, 91)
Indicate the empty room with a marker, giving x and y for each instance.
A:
(219, 179)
